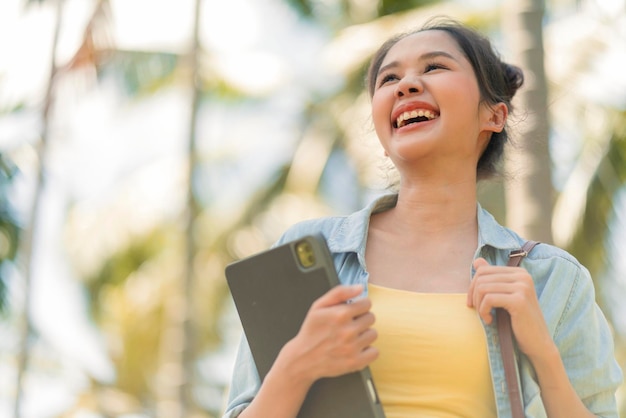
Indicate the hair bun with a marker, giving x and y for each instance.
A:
(513, 79)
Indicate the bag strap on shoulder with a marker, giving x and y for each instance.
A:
(505, 335)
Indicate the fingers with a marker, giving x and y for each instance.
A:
(498, 287)
(358, 352)
(360, 330)
(340, 306)
(336, 336)
(338, 294)
(350, 321)
(490, 301)
(478, 264)
(339, 311)
(366, 338)
(368, 355)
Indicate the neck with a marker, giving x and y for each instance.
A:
(436, 208)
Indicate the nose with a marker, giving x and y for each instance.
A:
(408, 85)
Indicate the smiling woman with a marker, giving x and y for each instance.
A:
(495, 87)
(440, 99)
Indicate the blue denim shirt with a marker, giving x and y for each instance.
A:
(564, 289)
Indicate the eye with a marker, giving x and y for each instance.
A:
(387, 78)
(434, 66)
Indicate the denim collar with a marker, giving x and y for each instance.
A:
(351, 234)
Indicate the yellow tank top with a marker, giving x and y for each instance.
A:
(433, 356)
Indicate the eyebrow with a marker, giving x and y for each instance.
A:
(425, 56)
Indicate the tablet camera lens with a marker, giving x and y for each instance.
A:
(305, 253)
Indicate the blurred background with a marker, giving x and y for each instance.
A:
(145, 144)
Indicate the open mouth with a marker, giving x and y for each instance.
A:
(414, 116)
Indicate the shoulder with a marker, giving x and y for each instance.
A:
(345, 233)
(552, 266)
(327, 226)
(549, 253)
(544, 257)
(564, 286)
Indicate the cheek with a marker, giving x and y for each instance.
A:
(469, 86)
(381, 110)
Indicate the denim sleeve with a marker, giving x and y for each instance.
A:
(245, 382)
(585, 342)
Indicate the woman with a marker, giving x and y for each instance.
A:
(431, 262)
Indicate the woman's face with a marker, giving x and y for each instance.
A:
(426, 105)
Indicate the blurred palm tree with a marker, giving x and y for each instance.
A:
(529, 197)
(9, 227)
(134, 324)
(590, 123)
(146, 294)
(32, 227)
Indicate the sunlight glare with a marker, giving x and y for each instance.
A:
(167, 26)
(25, 51)
(269, 71)
(230, 25)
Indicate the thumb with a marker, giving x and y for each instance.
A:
(338, 294)
(477, 264)
(480, 262)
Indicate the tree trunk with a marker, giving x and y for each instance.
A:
(529, 192)
(25, 326)
(193, 210)
(178, 343)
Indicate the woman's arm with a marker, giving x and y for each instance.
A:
(557, 393)
(334, 339)
(584, 341)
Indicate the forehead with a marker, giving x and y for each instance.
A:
(424, 42)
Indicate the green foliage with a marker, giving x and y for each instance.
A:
(140, 72)
(387, 7)
(120, 265)
(215, 88)
(303, 7)
(15, 107)
(589, 242)
(9, 229)
(343, 13)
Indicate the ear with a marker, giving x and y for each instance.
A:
(495, 117)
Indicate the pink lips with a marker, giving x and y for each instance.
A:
(412, 106)
(411, 110)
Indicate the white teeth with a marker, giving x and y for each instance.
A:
(414, 114)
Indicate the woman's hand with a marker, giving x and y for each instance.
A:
(511, 288)
(335, 336)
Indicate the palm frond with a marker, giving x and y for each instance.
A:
(9, 227)
(588, 242)
(303, 7)
(140, 72)
(387, 7)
